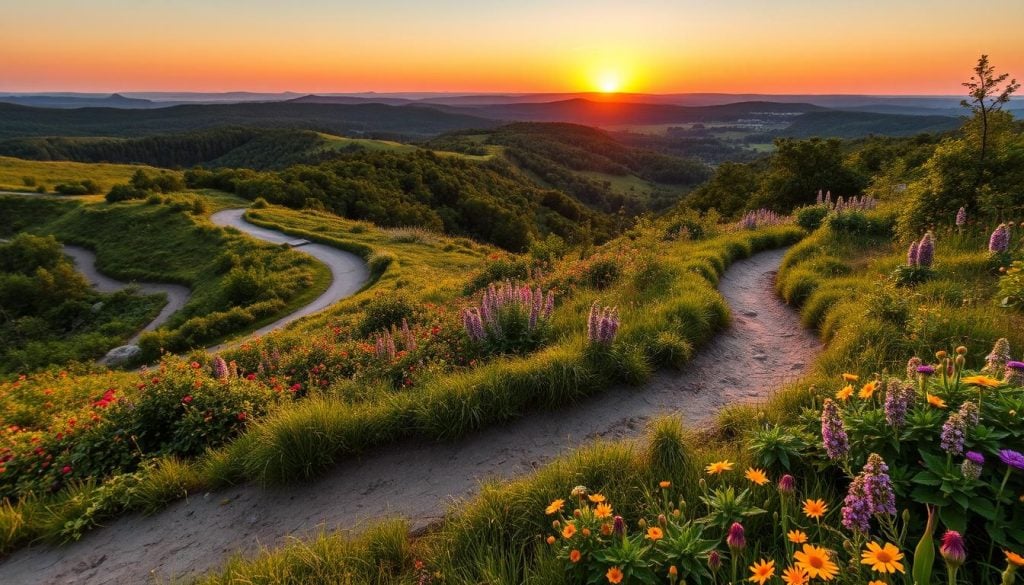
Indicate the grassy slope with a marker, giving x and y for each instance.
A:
(49, 174)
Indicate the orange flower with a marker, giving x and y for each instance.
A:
(762, 571)
(795, 576)
(845, 393)
(614, 575)
(815, 560)
(936, 401)
(797, 536)
(1014, 558)
(554, 507)
(551, 540)
(654, 533)
(757, 476)
(603, 511)
(596, 498)
(569, 531)
(986, 381)
(851, 377)
(815, 508)
(876, 582)
(574, 556)
(868, 390)
(719, 467)
(884, 559)
(665, 485)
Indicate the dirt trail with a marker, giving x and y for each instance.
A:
(764, 347)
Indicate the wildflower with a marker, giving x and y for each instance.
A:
(856, 507)
(795, 576)
(719, 467)
(574, 556)
(832, 432)
(878, 485)
(969, 411)
(984, 381)
(912, 254)
(953, 434)
(614, 575)
(787, 484)
(997, 359)
(603, 510)
(953, 550)
(935, 401)
(756, 476)
(876, 582)
(555, 507)
(762, 571)
(815, 509)
(845, 393)
(551, 540)
(898, 397)
(868, 390)
(926, 250)
(850, 377)
(816, 561)
(714, 561)
(569, 531)
(972, 465)
(912, 365)
(596, 498)
(961, 217)
(602, 324)
(1014, 558)
(65, 470)
(1011, 458)
(619, 526)
(925, 370)
(665, 484)
(655, 534)
(220, 368)
(673, 571)
(579, 491)
(736, 539)
(797, 536)
(1014, 374)
(883, 559)
(999, 241)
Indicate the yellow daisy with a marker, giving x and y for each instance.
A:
(797, 536)
(815, 508)
(655, 534)
(596, 498)
(851, 377)
(757, 476)
(935, 401)
(868, 390)
(795, 576)
(603, 510)
(719, 467)
(986, 381)
(762, 571)
(815, 560)
(884, 559)
(845, 393)
(554, 507)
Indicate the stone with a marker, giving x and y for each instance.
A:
(96, 308)
(122, 355)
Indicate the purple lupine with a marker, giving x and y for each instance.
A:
(828, 198)
(961, 217)
(1014, 459)
(833, 434)
(384, 346)
(473, 324)
(220, 368)
(999, 241)
(856, 507)
(820, 199)
(898, 397)
(996, 360)
(912, 365)
(602, 324)
(972, 465)
(408, 337)
(1014, 375)
(878, 486)
(953, 550)
(485, 320)
(912, 254)
(970, 413)
(736, 539)
(954, 432)
(926, 250)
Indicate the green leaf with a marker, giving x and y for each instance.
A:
(954, 518)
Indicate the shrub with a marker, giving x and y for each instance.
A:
(124, 193)
(811, 217)
(1011, 286)
(259, 203)
(502, 268)
(384, 311)
(602, 272)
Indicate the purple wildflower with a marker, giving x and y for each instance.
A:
(925, 370)
(961, 217)
(736, 539)
(619, 526)
(1014, 459)
(898, 397)
(1014, 375)
(969, 411)
(953, 434)
(953, 550)
(787, 484)
(996, 360)
(926, 250)
(912, 254)
(833, 435)
(714, 561)
(972, 465)
(220, 368)
(912, 365)
(975, 457)
(878, 486)
(999, 241)
(602, 324)
(856, 507)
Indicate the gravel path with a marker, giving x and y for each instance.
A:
(177, 295)
(764, 347)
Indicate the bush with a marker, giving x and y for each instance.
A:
(384, 311)
(500, 269)
(124, 193)
(259, 203)
(1011, 286)
(810, 218)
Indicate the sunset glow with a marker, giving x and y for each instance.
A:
(655, 46)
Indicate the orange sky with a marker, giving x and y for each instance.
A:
(656, 46)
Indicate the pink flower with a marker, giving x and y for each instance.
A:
(66, 469)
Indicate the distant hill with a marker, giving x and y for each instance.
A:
(72, 101)
(841, 124)
(378, 120)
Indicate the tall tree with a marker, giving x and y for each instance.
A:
(984, 98)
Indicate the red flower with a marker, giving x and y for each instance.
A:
(66, 469)
(250, 376)
(195, 365)
(296, 387)
(187, 399)
(241, 416)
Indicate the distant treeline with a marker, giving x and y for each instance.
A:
(484, 200)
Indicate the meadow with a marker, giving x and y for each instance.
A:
(29, 176)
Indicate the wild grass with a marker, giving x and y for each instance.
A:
(26, 175)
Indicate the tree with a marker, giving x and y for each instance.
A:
(799, 168)
(985, 97)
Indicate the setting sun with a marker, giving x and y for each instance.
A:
(609, 82)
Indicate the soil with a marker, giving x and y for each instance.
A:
(764, 347)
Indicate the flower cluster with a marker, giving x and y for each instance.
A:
(497, 301)
(833, 434)
(999, 241)
(961, 217)
(602, 324)
(921, 254)
(855, 203)
(762, 218)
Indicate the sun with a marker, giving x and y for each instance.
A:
(609, 81)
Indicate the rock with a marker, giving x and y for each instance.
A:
(749, 313)
(760, 356)
(97, 307)
(120, 356)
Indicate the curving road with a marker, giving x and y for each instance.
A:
(177, 295)
(764, 348)
(348, 272)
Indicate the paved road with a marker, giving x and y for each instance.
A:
(764, 348)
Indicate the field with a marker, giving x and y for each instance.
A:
(14, 172)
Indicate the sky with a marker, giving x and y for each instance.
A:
(649, 46)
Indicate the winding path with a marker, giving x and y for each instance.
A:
(764, 347)
(177, 295)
